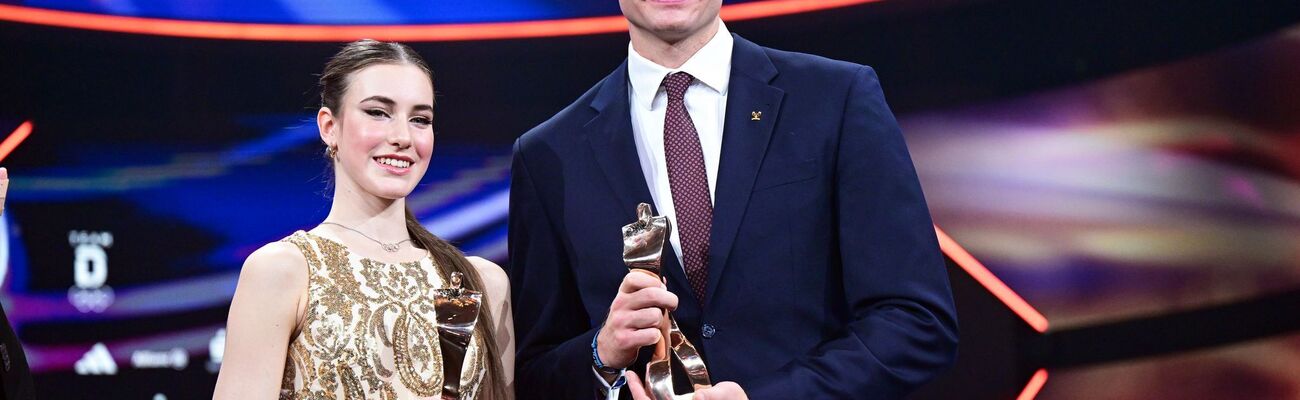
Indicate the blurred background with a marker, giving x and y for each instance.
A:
(1128, 170)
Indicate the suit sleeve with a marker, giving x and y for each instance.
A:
(553, 331)
(904, 327)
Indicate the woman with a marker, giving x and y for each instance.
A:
(345, 310)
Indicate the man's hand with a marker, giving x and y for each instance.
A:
(721, 391)
(634, 319)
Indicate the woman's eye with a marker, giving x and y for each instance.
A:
(376, 112)
(422, 121)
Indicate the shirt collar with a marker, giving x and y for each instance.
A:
(711, 65)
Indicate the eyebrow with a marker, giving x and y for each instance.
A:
(390, 103)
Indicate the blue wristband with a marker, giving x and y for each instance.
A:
(600, 366)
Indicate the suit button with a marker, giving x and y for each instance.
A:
(708, 331)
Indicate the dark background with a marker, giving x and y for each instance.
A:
(110, 106)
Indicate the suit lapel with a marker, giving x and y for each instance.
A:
(610, 136)
(745, 141)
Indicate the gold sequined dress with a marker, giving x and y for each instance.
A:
(369, 330)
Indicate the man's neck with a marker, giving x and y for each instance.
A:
(382, 219)
(671, 54)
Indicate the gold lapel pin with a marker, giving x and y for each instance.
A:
(756, 115)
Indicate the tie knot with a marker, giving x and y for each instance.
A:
(676, 84)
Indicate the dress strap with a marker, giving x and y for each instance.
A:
(304, 243)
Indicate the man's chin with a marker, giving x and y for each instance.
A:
(674, 29)
(673, 32)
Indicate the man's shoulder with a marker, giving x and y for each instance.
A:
(567, 121)
(803, 65)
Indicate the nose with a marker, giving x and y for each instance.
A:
(400, 136)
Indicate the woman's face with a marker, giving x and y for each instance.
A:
(383, 129)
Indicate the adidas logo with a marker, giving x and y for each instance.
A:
(97, 361)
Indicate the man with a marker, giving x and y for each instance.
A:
(803, 261)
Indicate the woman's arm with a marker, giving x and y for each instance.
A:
(270, 297)
(498, 295)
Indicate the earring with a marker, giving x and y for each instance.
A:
(332, 151)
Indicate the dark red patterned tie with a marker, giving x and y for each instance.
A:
(689, 183)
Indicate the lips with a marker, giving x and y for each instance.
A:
(395, 163)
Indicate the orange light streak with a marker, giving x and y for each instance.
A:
(991, 282)
(406, 33)
(14, 139)
(1034, 386)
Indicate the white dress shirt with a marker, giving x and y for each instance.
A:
(706, 102)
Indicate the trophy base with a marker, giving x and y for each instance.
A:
(659, 382)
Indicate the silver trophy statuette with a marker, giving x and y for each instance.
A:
(643, 248)
(457, 310)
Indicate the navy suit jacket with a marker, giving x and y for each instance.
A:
(825, 278)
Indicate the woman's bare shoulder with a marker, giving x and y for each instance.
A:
(277, 264)
(494, 277)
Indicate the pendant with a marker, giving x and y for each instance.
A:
(390, 247)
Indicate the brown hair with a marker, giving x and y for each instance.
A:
(333, 83)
